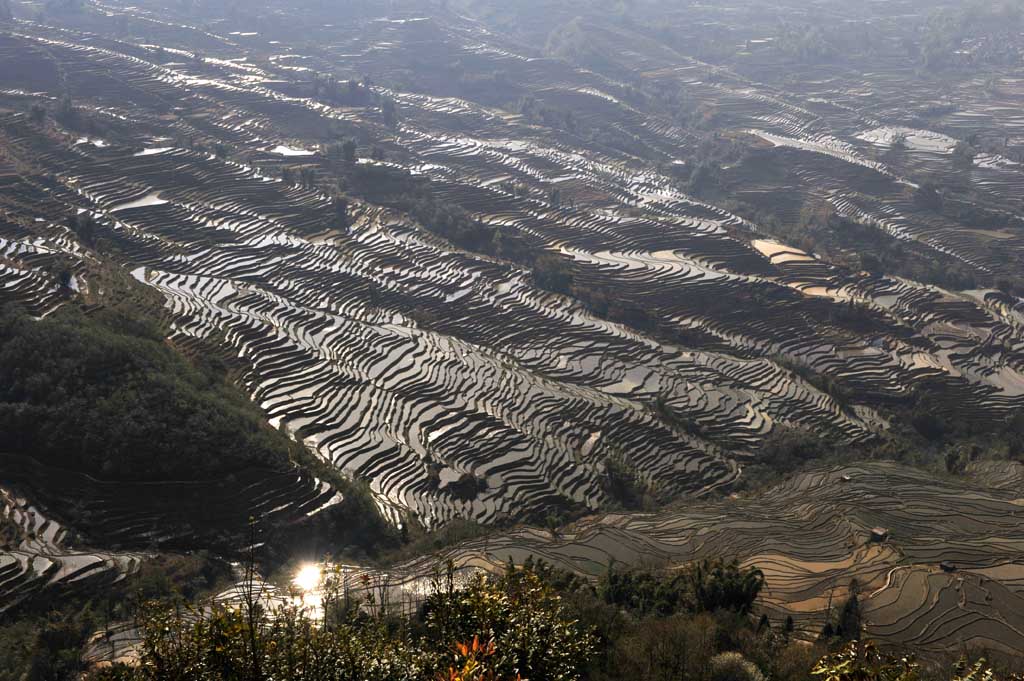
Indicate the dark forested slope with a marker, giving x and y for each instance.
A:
(104, 394)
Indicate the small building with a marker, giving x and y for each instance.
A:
(879, 534)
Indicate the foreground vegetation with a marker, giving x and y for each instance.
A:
(533, 622)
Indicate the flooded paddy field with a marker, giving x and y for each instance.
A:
(935, 561)
(460, 380)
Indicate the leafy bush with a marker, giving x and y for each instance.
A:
(514, 627)
(286, 644)
(859, 661)
(520, 615)
(734, 667)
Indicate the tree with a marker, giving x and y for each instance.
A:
(669, 649)
(217, 646)
(389, 111)
(64, 278)
(956, 463)
(963, 155)
(705, 177)
(849, 625)
(865, 662)
(734, 667)
(644, 593)
(348, 150)
(101, 393)
(623, 485)
(341, 212)
(84, 227)
(67, 115)
(353, 91)
(307, 177)
(718, 585)
(927, 196)
(553, 273)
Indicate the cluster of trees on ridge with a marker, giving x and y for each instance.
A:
(104, 394)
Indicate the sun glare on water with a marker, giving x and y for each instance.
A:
(308, 578)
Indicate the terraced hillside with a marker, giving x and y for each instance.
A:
(449, 379)
(37, 555)
(482, 265)
(937, 562)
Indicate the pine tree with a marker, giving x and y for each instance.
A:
(849, 625)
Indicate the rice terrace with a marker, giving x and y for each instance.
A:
(478, 340)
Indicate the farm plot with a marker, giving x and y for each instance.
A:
(447, 379)
(937, 562)
(36, 554)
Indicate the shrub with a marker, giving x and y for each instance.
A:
(488, 630)
(859, 661)
(520, 615)
(719, 585)
(677, 647)
(734, 667)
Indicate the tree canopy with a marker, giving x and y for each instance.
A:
(104, 394)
